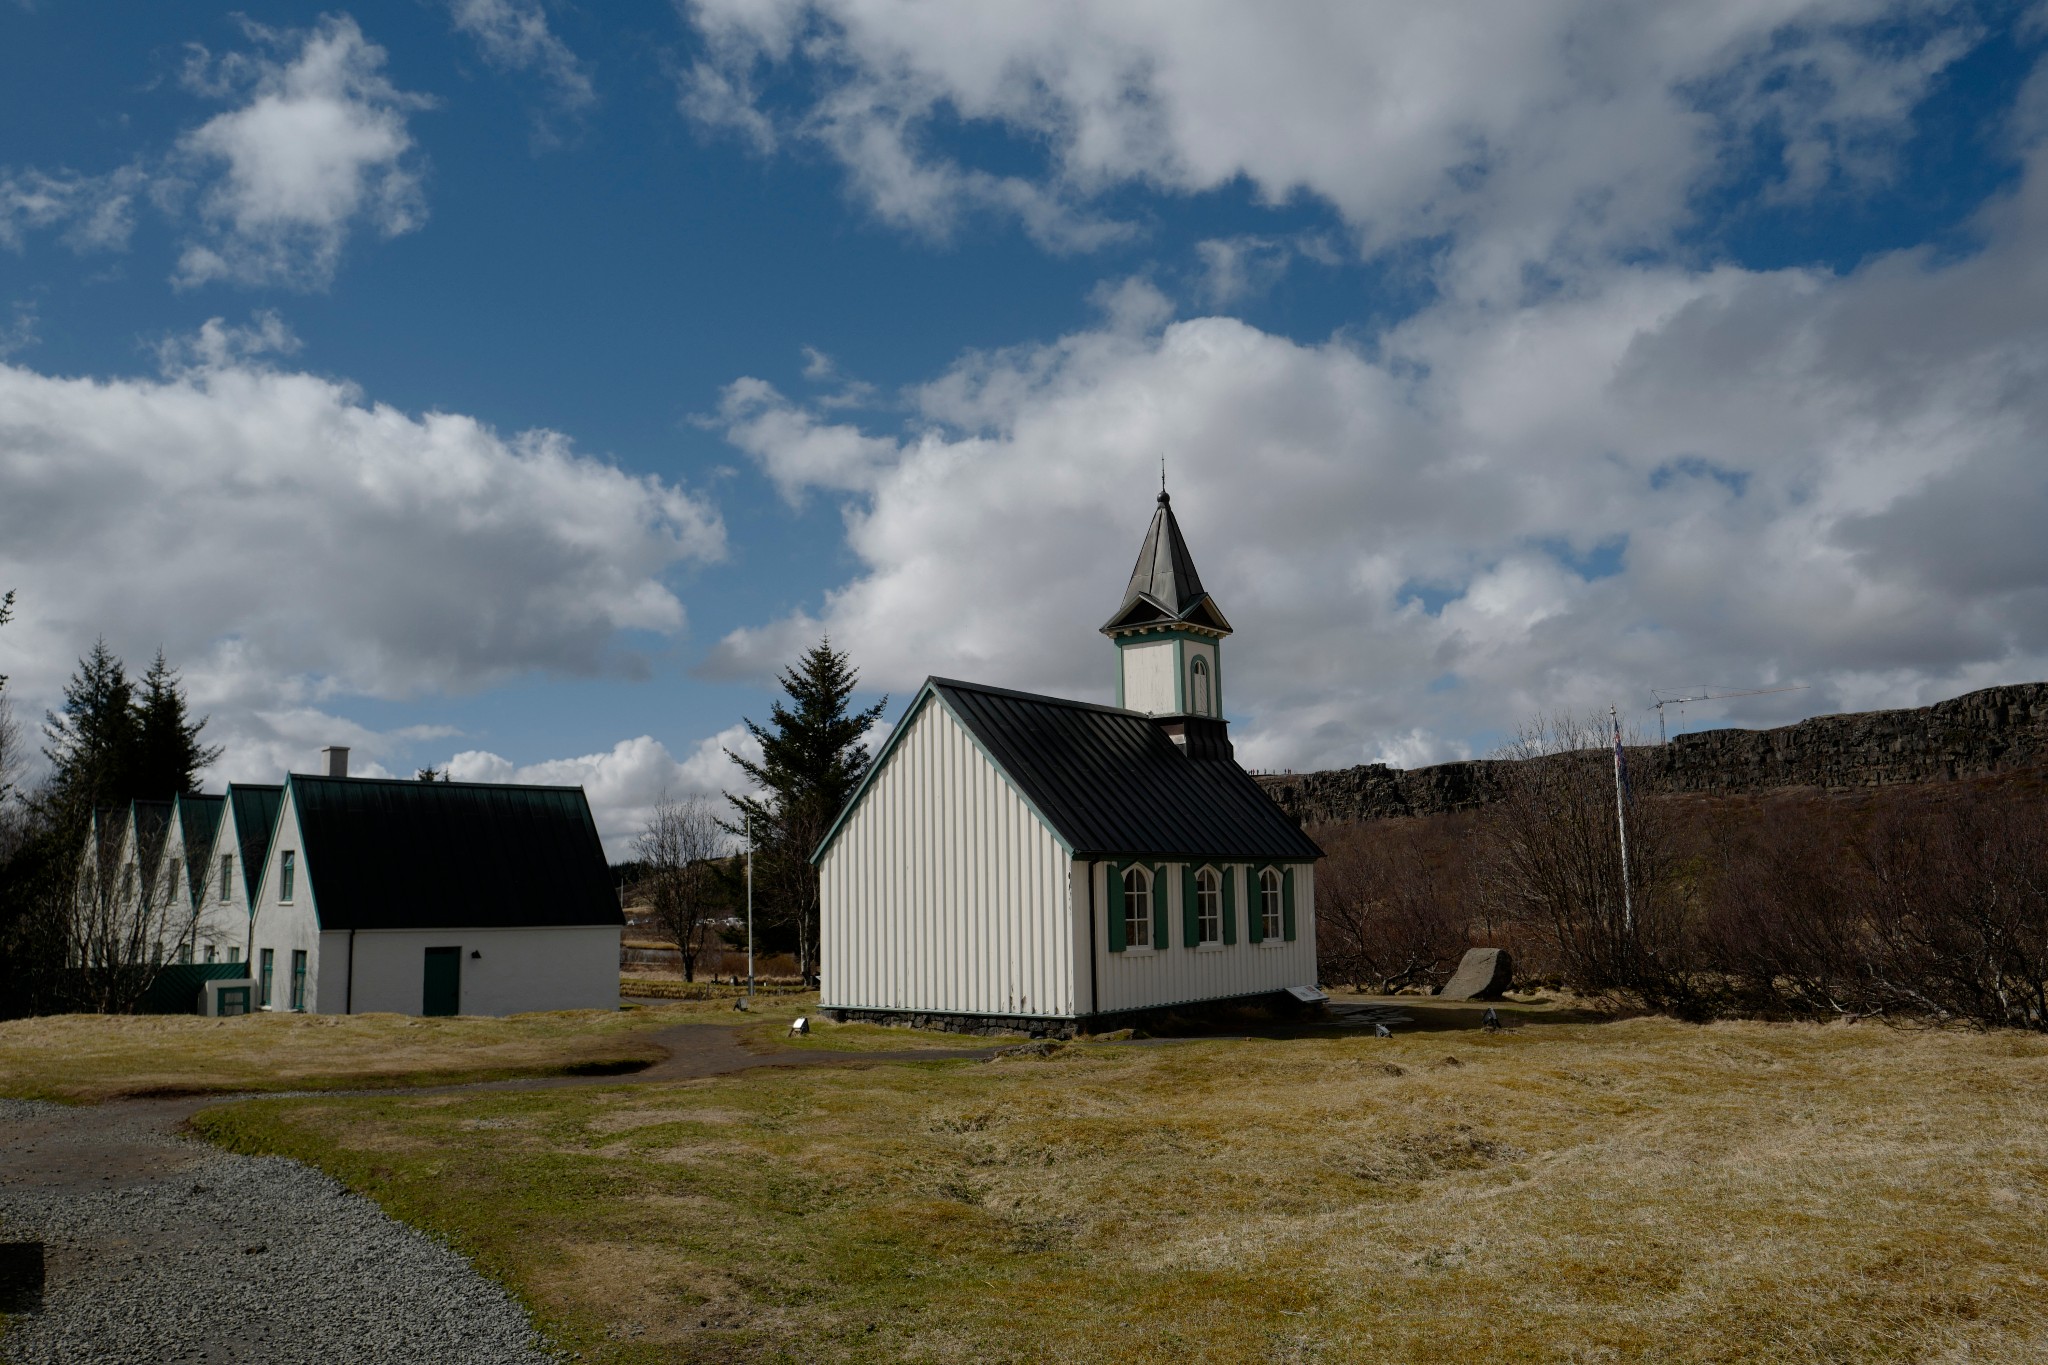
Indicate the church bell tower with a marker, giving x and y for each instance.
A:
(1169, 637)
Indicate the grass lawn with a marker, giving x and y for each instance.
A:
(90, 1057)
(1630, 1191)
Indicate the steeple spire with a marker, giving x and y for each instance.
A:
(1164, 588)
(1168, 632)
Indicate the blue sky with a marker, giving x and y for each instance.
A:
(517, 384)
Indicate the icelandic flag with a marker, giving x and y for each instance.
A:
(1620, 759)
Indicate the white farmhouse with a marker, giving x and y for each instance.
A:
(433, 898)
(1021, 861)
(341, 895)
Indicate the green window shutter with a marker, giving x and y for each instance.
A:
(1162, 937)
(1287, 903)
(1254, 907)
(1229, 905)
(1116, 907)
(1190, 911)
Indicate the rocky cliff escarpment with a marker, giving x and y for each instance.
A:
(2000, 729)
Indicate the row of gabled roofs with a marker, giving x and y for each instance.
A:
(382, 853)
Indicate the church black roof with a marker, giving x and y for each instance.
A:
(1109, 782)
(393, 854)
(1164, 589)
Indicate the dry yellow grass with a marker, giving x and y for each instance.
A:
(1633, 1191)
(90, 1057)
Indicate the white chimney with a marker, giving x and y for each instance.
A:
(337, 760)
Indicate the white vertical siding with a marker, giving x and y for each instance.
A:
(944, 892)
(1141, 978)
(1148, 673)
(286, 926)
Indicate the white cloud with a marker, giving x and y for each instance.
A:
(624, 782)
(513, 35)
(97, 212)
(796, 449)
(290, 541)
(1527, 132)
(1659, 475)
(320, 148)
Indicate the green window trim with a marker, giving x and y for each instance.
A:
(1115, 902)
(299, 979)
(287, 876)
(1229, 876)
(1254, 906)
(1287, 904)
(1190, 907)
(264, 975)
(1162, 939)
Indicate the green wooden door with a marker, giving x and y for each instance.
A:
(443, 994)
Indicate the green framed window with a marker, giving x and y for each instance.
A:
(185, 951)
(1270, 903)
(299, 979)
(1132, 916)
(1208, 906)
(263, 975)
(234, 954)
(227, 876)
(287, 875)
(213, 953)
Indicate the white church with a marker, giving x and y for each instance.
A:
(1026, 862)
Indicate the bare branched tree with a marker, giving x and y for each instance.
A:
(127, 919)
(1555, 862)
(679, 847)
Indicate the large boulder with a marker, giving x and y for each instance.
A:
(1483, 975)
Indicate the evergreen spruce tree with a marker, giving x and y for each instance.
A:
(168, 754)
(812, 758)
(92, 742)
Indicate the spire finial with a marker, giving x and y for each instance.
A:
(1163, 499)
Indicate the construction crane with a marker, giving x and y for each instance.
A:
(1705, 694)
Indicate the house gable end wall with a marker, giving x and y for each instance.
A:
(942, 889)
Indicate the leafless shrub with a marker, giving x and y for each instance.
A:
(1931, 905)
(1394, 902)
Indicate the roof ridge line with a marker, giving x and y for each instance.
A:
(992, 689)
(437, 782)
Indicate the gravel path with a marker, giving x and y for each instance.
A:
(161, 1249)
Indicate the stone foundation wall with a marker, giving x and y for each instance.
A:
(2000, 729)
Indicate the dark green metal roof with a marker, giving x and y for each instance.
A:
(256, 805)
(199, 823)
(384, 853)
(1110, 782)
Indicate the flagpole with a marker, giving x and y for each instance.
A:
(1628, 914)
(750, 907)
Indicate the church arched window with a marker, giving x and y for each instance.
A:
(1270, 903)
(1198, 686)
(1137, 907)
(1209, 906)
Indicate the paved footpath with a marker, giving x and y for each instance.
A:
(162, 1249)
